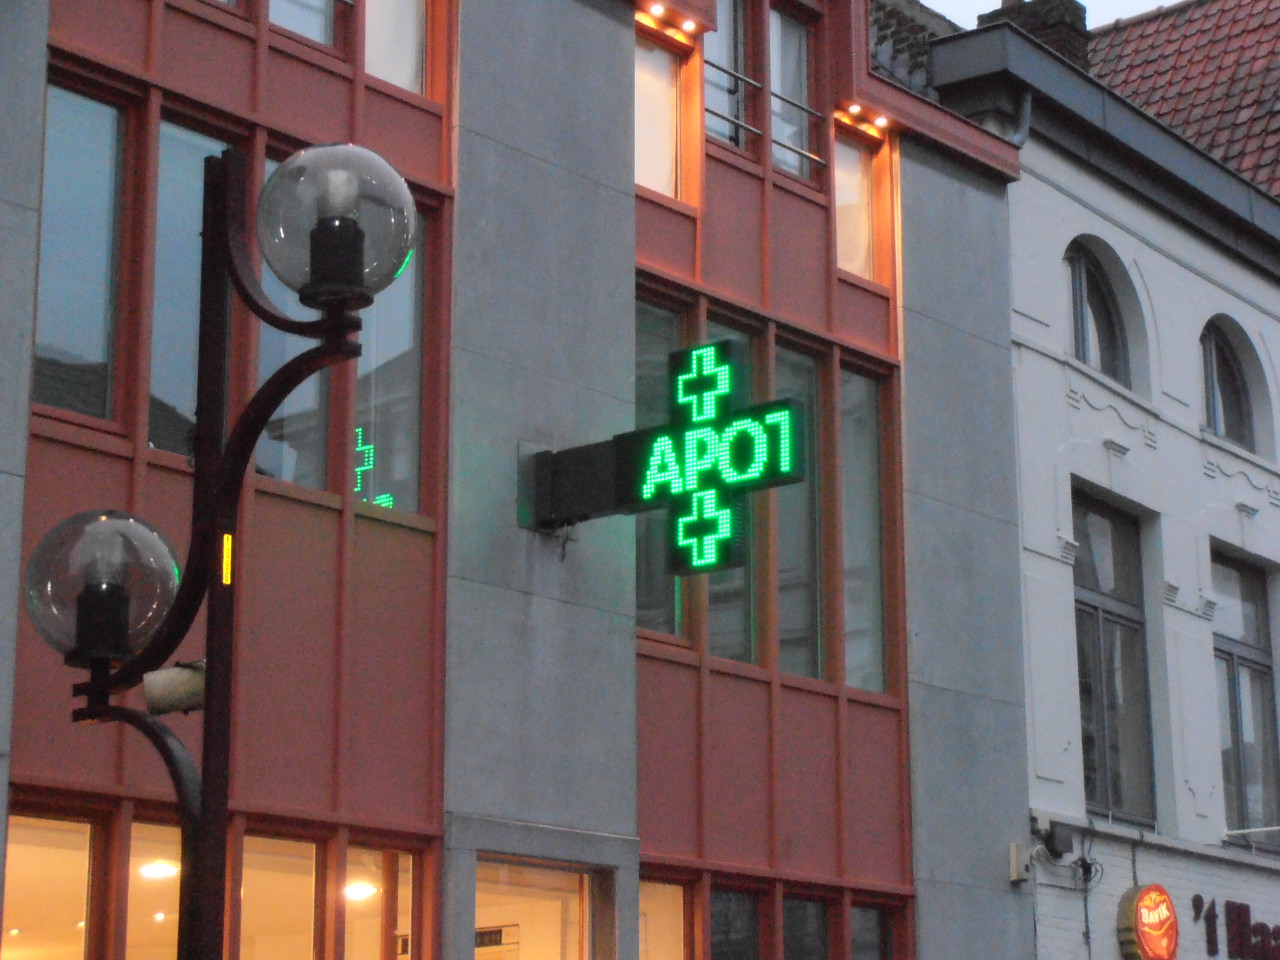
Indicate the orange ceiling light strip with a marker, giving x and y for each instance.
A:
(658, 16)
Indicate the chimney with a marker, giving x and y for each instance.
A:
(1058, 24)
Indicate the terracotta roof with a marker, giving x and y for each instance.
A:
(1210, 69)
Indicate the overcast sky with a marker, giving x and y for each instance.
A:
(1098, 12)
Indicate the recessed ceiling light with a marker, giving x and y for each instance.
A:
(657, 9)
(688, 26)
(159, 870)
(360, 890)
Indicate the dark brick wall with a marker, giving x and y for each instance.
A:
(1058, 24)
(900, 31)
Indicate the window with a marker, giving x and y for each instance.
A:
(735, 925)
(657, 117)
(527, 911)
(46, 887)
(789, 76)
(1099, 332)
(155, 860)
(395, 40)
(781, 607)
(76, 302)
(379, 902)
(277, 899)
(852, 175)
(1246, 696)
(312, 19)
(869, 935)
(804, 929)
(1226, 397)
(1115, 712)
(662, 921)
(726, 85)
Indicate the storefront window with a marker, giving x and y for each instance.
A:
(277, 900)
(531, 913)
(378, 897)
(46, 889)
(662, 921)
(155, 859)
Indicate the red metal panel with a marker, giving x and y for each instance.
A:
(388, 755)
(807, 776)
(737, 765)
(311, 103)
(862, 317)
(286, 710)
(61, 481)
(798, 258)
(665, 237)
(732, 228)
(407, 135)
(873, 808)
(667, 767)
(205, 61)
(115, 30)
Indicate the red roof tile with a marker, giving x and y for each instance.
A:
(1210, 69)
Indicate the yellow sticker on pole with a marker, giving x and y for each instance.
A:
(226, 559)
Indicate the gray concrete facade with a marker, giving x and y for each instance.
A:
(968, 717)
(24, 28)
(540, 667)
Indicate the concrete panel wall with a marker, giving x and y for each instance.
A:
(24, 26)
(540, 671)
(968, 726)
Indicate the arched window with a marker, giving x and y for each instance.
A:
(1226, 397)
(1099, 331)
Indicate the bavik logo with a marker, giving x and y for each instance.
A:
(1147, 924)
(1246, 940)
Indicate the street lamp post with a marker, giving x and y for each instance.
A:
(336, 224)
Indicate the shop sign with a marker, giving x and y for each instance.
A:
(714, 450)
(1147, 924)
(1247, 939)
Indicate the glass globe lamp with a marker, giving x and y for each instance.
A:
(336, 224)
(99, 584)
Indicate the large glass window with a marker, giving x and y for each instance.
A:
(1226, 394)
(1099, 330)
(726, 83)
(869, 935)
(76, 295)
(662, 921)
(312, 19)
(46, 889)
(657, 117)
(789, 74)
(378, 900)
(853, 208)
(861, 539)
(735, 925)
(1246, 697)
(531, 913)
(277, 900)
(804, 929)
(1115, 709)
(155, 858)
(175, 311)
(395, 41)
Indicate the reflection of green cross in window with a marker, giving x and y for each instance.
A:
(364, 459)
(704, 385)
(702, 530)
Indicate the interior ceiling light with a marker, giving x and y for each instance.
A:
(688, 26)
(158, 870)
(360, 890)
(882, 122)
(657, 9)
(855, 109)
(159, 918)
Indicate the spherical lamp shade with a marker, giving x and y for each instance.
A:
(336, 224)
(99, 584)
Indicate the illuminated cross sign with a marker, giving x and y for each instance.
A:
(714, 450)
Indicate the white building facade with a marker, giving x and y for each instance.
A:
(1145, 285)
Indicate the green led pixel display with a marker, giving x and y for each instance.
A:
(366, 457)
(713, 452)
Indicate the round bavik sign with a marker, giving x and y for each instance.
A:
(1147, 924)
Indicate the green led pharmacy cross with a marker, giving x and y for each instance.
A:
(699, 466)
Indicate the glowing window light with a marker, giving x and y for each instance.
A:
(359, 890)
(158, 870)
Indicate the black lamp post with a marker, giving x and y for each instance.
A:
(336, 224)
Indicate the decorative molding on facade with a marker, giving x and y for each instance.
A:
(1246, 510)
(1273, 495)
(1171, 593)
(1074, 397)
(1115, 447)
(1220, 470)
(1149, 438)
(1206, 608)
(1210, 469)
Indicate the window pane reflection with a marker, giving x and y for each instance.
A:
(657, 592)
(75, 300)
(46, 888)
(853, 209)
(735, 925)
(868, 935)
(277, 900)
(789, 69)
(657, 117)
(395, 40)
(661, 921)
(804, 929)
(725, 94)
(531, 913)
(312, 19)
(155, 855)
(860, 504)
(175, 310)
(389, 393)
(799, 638)
(294, 444)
